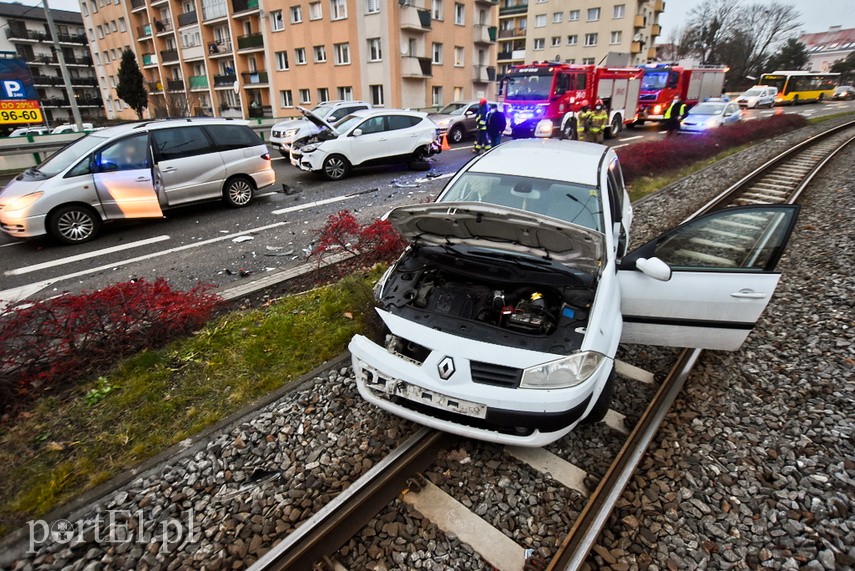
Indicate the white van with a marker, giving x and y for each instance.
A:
(68, 128)
(758, 96)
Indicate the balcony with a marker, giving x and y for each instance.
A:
(415, 19)
(487, 2)
(226, 80)
(192, 52)
(44, 80)
(175, 85)
(482, 34)
(512, 33)
(137, 5)
(511, 55)
(639, 21)
(157, 2)
(90, 101)
(149, 59)
(655, 30)
(251, 78)
(651, 53)
(169, 56)
(214, 11)
(251, 42)
(416, 67)
(54, 102)
(635, 48)
(27, 35)
(244, 5)
(187, 18)
(198, 82)
(82, 60)
(154, 87)
(483, 73)
(220, 48)
(144, 31)
(260, 112)
(508, 9)
(84, 81)
(659, 6)
(163, 26)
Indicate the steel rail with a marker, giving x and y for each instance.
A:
(341, 519)
(807, 180)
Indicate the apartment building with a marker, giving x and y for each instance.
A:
(27, 34)
(261, 58)
(616, 32)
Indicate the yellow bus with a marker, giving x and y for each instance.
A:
(796, 87)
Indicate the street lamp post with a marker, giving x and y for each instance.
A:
(69, 90)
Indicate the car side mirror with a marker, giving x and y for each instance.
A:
(655, 268)
(357, 133)
(108, 167)
(469, 113)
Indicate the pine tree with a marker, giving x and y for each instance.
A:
(131, 89)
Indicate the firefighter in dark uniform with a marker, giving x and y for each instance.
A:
(482, 140)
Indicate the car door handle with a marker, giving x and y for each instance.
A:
(143, 179)
(748, 294)
(383, 139)
(169, 169)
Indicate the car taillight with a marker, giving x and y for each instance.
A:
(266, 156)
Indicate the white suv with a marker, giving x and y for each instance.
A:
(284, 133)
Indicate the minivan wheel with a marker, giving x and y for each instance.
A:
(73, 224)
(601, 407)
(238, 192)
(455, 135)
(335, 167)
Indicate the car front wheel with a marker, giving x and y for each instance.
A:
(74, 224)
(238, 192)
(455, 135)
(335, 167)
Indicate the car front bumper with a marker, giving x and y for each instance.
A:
(19, 225)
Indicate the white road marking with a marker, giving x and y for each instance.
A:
(451, 516)
(11, 244)
(619, 146)
(85, 256)
(554, 466)
(749, 118)
(458, 148)
(632, 138)
(313, 204)
(24, 291)
(614, 420)
(662, 132)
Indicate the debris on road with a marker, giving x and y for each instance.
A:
(244, 238)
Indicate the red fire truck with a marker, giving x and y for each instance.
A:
(541, 95)
(662, 81)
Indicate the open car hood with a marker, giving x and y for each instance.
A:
(500, 228)
(315, 119)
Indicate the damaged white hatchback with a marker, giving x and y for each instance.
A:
(503, 317)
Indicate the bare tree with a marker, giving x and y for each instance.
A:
(709, 26)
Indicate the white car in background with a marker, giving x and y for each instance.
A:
(365, 138)
(502, 318)
(710, 114)
(758, 96)
(285, 133)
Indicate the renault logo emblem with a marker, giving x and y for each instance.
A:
(446, 368)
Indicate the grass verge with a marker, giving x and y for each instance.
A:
(69, 443)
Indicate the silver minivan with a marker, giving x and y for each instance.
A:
(135, 170)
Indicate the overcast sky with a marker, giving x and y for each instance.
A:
(817, 15)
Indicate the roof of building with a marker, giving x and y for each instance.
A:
(20, 11)
(836, 39)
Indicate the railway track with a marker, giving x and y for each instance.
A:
(315, 543)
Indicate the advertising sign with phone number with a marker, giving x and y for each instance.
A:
(18, 98)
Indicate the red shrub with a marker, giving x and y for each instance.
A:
(659, 157)
(370, 243)
(47, 344)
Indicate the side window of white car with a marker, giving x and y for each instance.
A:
(373, 125)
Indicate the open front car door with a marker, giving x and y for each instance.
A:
(705, 283)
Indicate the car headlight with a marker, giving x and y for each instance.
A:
(657, 109)
(544, 128)
(443, 123)
(310, 148)
(711, 123)
(290, 133)
(562, 373)
(22, 202)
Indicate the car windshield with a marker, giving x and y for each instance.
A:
(654, 80)
(751, 93)
(707, 109)
(452, 109)
(322, 110)
(536, 86)
(68, 155)
(575, 203)
(347, 123)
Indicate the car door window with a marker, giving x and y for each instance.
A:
(130, 153)
(373, 125)
(229, 137)
(182, 142)
(402, 122)
(749, 239)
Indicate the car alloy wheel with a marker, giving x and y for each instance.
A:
(74, 225)
(239, 192)
(456, 135)
(335, 167)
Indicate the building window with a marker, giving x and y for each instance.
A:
(296, 14)
(300, 56)
(372, 6)
(323, 94)
(436, 50)
(542, 1)
(113, 26)
(556, 41)
(572, 40)
(100, 32)
(539, 43)
(459, 13)
(97, 59)
(342, 54)
(320, 53)
(591, 39)
(345, 93)
(281, 61)
(376, 94)
(436, 96)
(338, 9)
(458, 94)
(375, 52)
(305, 96)
(315, 11)
(588, 61)
(84, 9)
(277, 21)
(557, 17)
(540, 21)
(122, 26)
(574, 15)
(459, 56)
(436, 9)
(593, 14)
(619, 11)
(615, 37)
(286, 99)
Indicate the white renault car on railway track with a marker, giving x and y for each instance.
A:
(502, 318)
